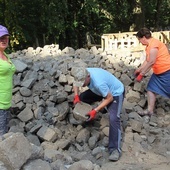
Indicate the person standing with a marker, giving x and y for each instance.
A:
(7, 70)
(157, 59)
(105, 87)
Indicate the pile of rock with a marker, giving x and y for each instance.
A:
(44, 133)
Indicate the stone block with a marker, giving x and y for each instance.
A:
(136, 125)
(80, 110)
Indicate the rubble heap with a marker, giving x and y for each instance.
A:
(44, 133)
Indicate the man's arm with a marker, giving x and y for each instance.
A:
(108, 99)
(76, 90)
(76, 95)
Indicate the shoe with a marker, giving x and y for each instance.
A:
(146, 113)
(114, 156)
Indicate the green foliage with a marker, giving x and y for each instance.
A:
(66, 22)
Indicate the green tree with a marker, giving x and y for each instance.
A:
(66, 22)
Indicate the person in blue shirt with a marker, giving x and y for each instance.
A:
(104, 87)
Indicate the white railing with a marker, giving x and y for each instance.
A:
(125, 40)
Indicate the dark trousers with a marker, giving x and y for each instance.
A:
(4, 119)
(114, 109)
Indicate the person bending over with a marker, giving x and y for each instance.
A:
(104, 87)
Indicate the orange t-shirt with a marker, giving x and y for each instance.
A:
(162, 63)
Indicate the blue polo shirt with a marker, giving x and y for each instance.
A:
(102, 82)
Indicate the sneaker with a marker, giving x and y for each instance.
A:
(114, 156)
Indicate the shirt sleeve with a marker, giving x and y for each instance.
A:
(103, 90)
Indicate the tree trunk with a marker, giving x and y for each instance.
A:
(139, 15)
(157, 15)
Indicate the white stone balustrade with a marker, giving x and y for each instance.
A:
(128, 40)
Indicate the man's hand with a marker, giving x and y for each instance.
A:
(76, 99)
(139, 77)
(136, 73)
(91, 115)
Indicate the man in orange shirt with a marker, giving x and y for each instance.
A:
(157, 58)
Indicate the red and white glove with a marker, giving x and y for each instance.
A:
(91, 115)
(76, 99)
(139, 77)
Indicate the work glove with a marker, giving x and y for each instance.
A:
(91, 115)
(136, 73)
(139, 77)
(76, 99)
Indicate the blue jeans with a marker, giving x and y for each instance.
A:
(114, 109)
(4, 119)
